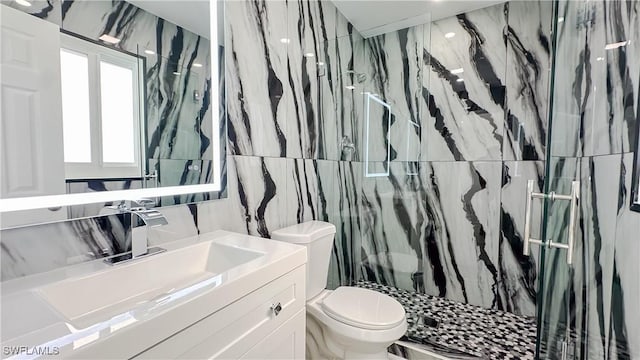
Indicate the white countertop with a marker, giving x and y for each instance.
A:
(30, 323)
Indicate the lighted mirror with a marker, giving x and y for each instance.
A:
(109, 100)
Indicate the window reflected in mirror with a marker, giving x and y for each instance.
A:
(101, 112)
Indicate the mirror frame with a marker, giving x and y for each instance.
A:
(218, 146)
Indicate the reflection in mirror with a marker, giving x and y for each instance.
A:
(126, 102)
(101, 111)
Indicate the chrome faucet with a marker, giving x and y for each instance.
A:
(143, 217)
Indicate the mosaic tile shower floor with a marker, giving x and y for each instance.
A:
(457, 330)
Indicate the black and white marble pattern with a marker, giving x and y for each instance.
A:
(528, 36)
(342, 79)
(339, 202)
(45, 247)
(394, 224)
(272, 193)
(290, 37)
(466, 109)
(624, 323)
(393, 71)
(518, 272)
(174, 118)
(462, 330)
(597, 89)
(582, 296)
(417, 229)
(463, 208)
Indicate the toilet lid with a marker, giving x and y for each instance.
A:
(362, 308)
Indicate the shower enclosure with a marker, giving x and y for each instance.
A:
(587, 291)
(486, 159)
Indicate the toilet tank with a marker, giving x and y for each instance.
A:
(317, 236)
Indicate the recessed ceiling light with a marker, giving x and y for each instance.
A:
(617, 45)
(460, 80)
(309, 54)
(350, 87)
(560, 19)
(449, 35)
(600, 58)
(285, 40)
(176, 73)
(23, 3)
(457, 71)
(197, 65)
(150, 52)
(109, 39)
(320, 63)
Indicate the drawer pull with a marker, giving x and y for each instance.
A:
(276, 308)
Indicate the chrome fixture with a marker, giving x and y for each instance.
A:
(573, 198)
(152, 176)
(143, 217)
(276, 308)
(347, 149)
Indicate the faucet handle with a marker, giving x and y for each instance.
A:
(139, 203)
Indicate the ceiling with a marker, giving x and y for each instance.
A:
(192, 15)
(369, 17)
(375, 17)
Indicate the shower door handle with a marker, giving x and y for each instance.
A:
(573, 198)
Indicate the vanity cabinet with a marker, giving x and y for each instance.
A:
(267, 323)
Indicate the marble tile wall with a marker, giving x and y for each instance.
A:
(466, 93)
(527, 80)
(272, 171)
(597, 116)
(449, 219)
(291, 37)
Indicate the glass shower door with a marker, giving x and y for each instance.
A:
(591, 108)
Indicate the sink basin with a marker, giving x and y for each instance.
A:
(95, 310)
(112, 292)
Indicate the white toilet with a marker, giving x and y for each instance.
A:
(349, 322)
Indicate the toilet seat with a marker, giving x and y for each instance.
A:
(363, 308)
(351, 336)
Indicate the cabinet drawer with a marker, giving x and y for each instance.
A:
(286, 342)
(229, 332)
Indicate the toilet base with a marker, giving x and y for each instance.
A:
(322, 345)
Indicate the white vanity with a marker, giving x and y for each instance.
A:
(217, 295)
